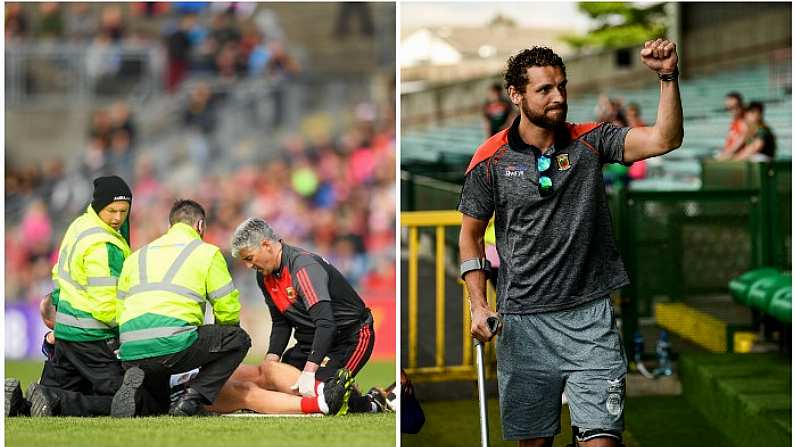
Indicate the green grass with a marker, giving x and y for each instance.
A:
(348, 431)
(380, 374)
(750, 395)
(456, 423)
(654, 421)
(670, 420)
(351, 430)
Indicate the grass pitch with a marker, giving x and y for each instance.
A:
(653, 421)
(350, 430)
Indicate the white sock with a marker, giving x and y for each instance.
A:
(321, 399)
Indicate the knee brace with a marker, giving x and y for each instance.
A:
(577, 437)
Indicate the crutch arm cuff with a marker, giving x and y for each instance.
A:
(474, 264)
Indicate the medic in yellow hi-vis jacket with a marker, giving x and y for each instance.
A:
(83, 373)
(163, 290)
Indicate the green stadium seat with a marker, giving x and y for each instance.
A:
(781, 304)
(740, 286)
(761, 292)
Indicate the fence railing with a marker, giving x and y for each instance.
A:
(50, 72)
(438, 227)
(676, 246)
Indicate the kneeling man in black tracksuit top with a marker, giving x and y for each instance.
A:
(310, 299)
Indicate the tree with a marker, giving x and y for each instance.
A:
(619, 25)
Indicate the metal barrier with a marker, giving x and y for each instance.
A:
(437, 223)
(52, 72)
(676, 246)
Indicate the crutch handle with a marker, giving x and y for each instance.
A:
(495, 324)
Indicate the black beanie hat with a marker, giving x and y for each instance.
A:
(109, 189)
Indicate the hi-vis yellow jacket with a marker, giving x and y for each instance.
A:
(89, 263)
(163, 291)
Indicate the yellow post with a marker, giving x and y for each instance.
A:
(491, 300)
(413, 255)
(440, 253)
(467, 342)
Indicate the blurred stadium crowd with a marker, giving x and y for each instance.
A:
(333, 194)
(229, 40)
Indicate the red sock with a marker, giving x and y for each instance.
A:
(309, 405)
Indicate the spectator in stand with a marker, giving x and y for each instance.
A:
(121, 119)
(498, 112)
(199, 119)
(618, 118)
(223, 29)
(103, 61)
(228, 64)
(236, 10)
(101, 127)
(254, 50)
(281, 64)
(604, 109)
(760, 144)
(16, 23)
(348, 216)
(737, 129)
(51, 22)
(80, 24)
(120, 156)
(189, 7)
(149, 9)
(610, 111)
(178, 50)
(94, 159)
(112, 23)
(633, 116)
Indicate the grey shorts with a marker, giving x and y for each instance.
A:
(539, 356)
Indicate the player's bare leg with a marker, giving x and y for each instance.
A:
(238, 395)
(278, 376)
(332, 398)
(246, 373)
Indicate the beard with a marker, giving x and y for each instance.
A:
(542, 120)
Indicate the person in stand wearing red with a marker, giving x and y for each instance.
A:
(736, 137)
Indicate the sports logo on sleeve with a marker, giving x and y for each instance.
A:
(291, 294)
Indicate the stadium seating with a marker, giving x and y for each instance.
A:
(766, 290)
(706, 124)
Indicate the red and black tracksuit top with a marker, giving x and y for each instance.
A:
(310, 296)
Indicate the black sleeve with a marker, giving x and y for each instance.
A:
(280, 330)
(325, 330)
(313, 286)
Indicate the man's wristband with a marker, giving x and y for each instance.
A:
(474, 264)
(667, 77)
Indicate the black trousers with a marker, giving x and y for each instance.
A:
(217, 352)
(350, 350)
(82, 377)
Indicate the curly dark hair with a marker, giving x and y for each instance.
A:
(516, 73)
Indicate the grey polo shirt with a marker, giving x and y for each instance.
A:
(556, 251)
